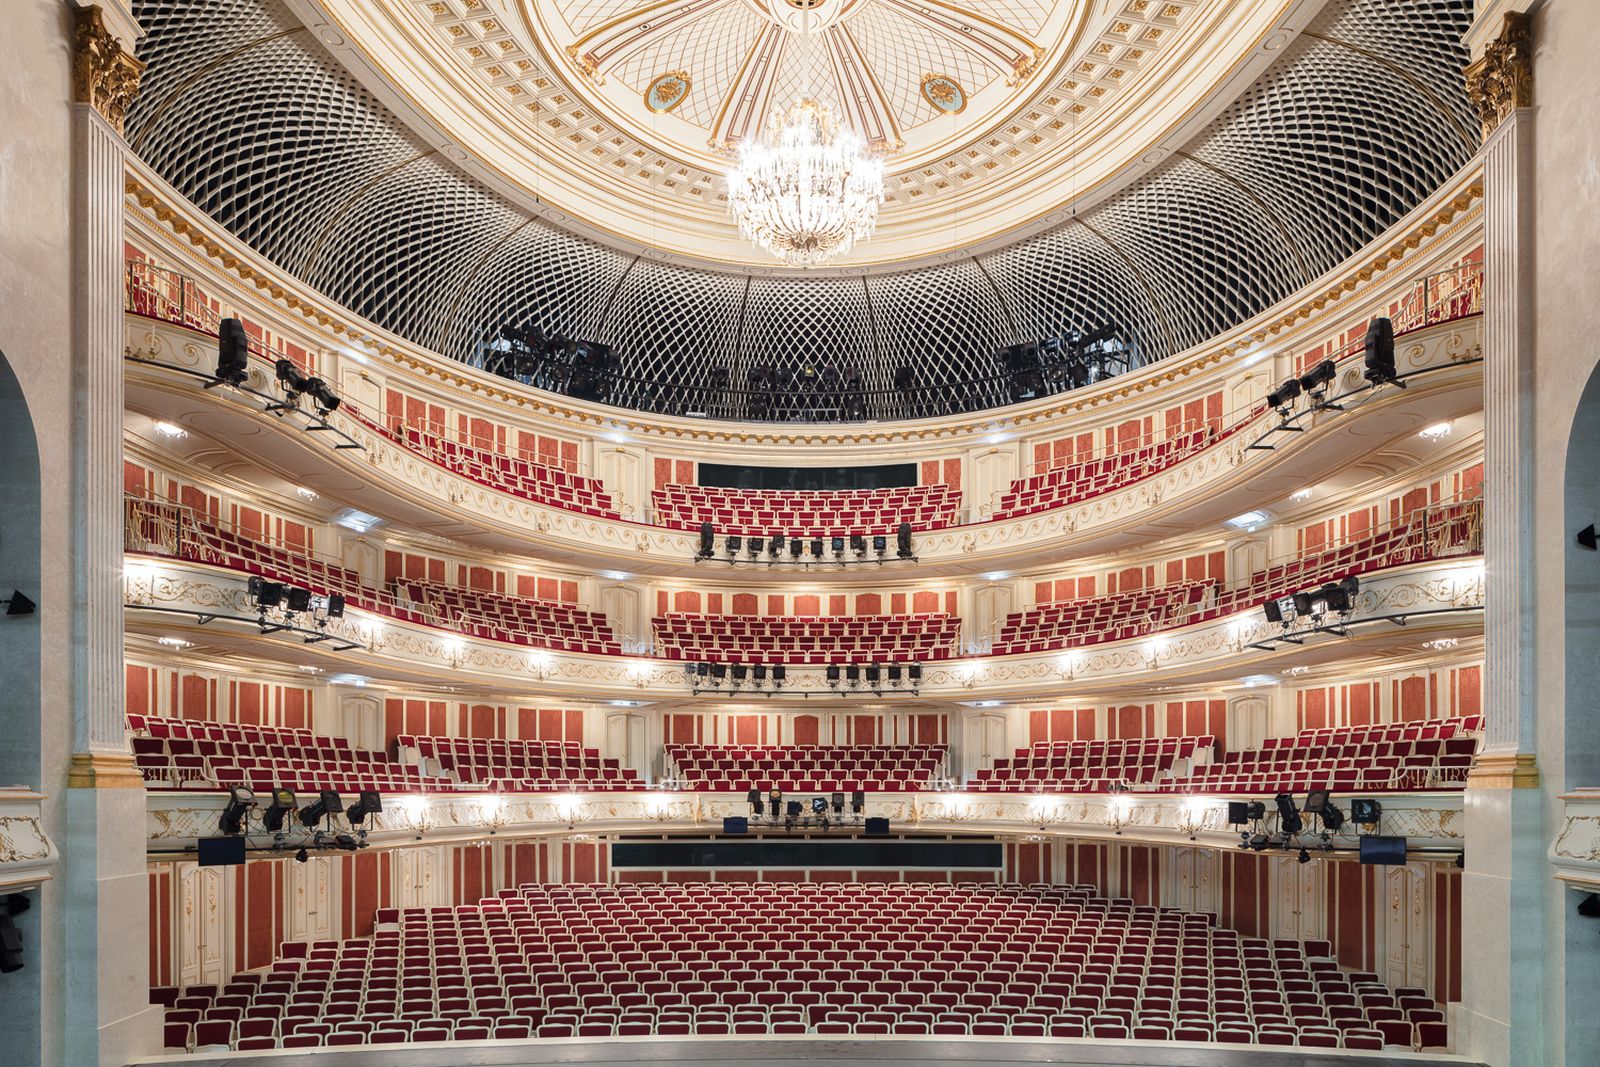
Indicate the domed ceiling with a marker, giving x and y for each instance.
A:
(1170, 225)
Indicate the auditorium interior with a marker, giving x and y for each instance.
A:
(799, 531)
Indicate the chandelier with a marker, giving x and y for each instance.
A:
(807, 190)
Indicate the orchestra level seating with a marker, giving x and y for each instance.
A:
(825, 768)
(807, 513)
(1093, 766)
(831, 959)
(819, 639)
(520, 766)
(1387, 757)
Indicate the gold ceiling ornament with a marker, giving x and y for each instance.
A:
(667, 91)
(944, 93)
(1501, 80)
(104, 75)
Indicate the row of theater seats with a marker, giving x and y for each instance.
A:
(1389, 757)
(1090, 620)
(543, 484)
(1093, 766)
(806, 513)
(503, 617)
(519, 765)
(795, 958)
(817, 640)
(1078, 481)
(825, 768)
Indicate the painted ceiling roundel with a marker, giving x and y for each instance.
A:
(991, 116)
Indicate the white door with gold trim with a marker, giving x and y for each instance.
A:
(1407, 950)
(311, 903)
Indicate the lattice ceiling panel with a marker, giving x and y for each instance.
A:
(711, 58)
(1356, 123)
(902, 51)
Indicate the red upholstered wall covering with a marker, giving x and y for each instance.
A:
(459, 719)
(213, 697)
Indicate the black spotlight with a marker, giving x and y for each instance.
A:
(1238, 813)
(335, 607)
(796, 547)
(1366, 812)
(719, 671)
(858, 544)
(779, 673)
(914, 674)
(18, 604)
(1273, 610)
(1289, 820)
(1305, 857)
(282, 804)
(792, 809)
(733, 543)
(758, 673)
(1283, 397)
(858, 802)
(1316, 801)
(838, 546)
(265, 594)
(708, 536)
(327, 803)
(240, 801)
(833, 674)
(852, 673)
(298, 600)
(756, 546)
(1380, 353)
(1332, 818)
(774, 802)
(1316, 381)
(838, 803)
(775, 545)
(874, 674)
(753, 797)
(290, 377)
(302, 856)
(233, 352)
(816, 548)
(326, 399)
(880, 544)
(739, 673)
(902, 541)
(894, 674)
(370, 802)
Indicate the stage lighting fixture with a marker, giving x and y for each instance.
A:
(739, 673)
(240, 801)
(233, 352)
(833, 674)
(1316, 380)
(880, 544)
(326, 804)
(733, 543)
(335, 606)
(902, 541)
(852, 673)
(797, 547)
(774, 802)
(775, 545)
(874, 674)
(1366, 812)
(1379, 345)
(858, 544)
(263, 593)
(1304, 603)
(838, 803)
(326, 399)
(753, 797)
(816, 548)
(18, 604)
(780, 673)
(1289, 820)
(819, 805)
(1257, 842)
(1283, 397)
(894, 674)
(1332, 818)
(914, 673)
(1316, 801)
(838, 547)
(1305, 857)
(792, 809)
(1273, 609)
(1238, 813)
(708, 541)
(758, 673)
(298, 600)
(302, 856)
(719, 671)
(756, 546)
(290, 377)
(858, 802)
(369, 802)
(347, 842)
(282, 804)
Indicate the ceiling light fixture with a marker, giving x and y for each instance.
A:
(1437, 432)
(1249, 520)
(807, 190)
(169, 430)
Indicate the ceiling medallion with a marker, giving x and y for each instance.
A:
(944, 93)
(807, 190)
(667, 91)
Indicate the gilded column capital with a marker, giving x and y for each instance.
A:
(1501, 80)
(104, 75)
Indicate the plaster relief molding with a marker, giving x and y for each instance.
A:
(1435, 234)
(1575, 852)
(407, 650)
(27, 855)
(1426, 819)
(104, 74)
(1501, 80)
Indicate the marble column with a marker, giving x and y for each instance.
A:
(1500, 1017)
(109, 1019)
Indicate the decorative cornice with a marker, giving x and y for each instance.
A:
(104, 76)
(1501, 80)
(1504, 770)
(102, 770)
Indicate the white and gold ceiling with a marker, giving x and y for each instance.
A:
(451, 168)
(989, 113)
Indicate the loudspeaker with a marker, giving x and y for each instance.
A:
(735, 824)
(221, 851)
(1587, 539)
(1390, 851)
(902, 541)
(876, 827)
(1380, 351)
(707, 540)
(233, 352)
(1273, 611)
